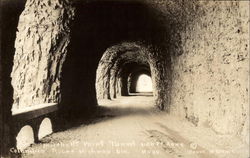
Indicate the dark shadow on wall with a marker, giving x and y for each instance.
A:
(98, 26)
(10, 11)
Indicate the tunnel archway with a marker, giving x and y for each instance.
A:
(116, 66)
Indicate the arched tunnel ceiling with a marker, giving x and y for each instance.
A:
(111, 22)
(131, 56)
(117, 63)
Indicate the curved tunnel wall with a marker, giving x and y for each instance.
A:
(123, 59)
(190, 55)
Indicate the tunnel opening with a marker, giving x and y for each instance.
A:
(133, 81)
(144, 84)
(119, 69)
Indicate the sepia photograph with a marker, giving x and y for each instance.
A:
(124, 78)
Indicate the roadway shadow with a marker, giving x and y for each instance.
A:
(100, 113)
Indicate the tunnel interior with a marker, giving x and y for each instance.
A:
(117, 70)
(66, 56)
(117, 40)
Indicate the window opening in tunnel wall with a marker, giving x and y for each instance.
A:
(25, 137)
(144, 84)
(45, 128)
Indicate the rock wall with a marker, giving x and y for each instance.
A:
(210, 78)
(41, 42)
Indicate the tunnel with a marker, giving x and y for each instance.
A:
(116, 70)
(168, 70)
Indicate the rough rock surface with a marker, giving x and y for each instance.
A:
(210, 78)
(41, 42)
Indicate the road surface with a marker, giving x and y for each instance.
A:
(130, 127)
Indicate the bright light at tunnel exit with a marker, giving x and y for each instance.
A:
(144, 84)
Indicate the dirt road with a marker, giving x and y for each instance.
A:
(130, 127)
